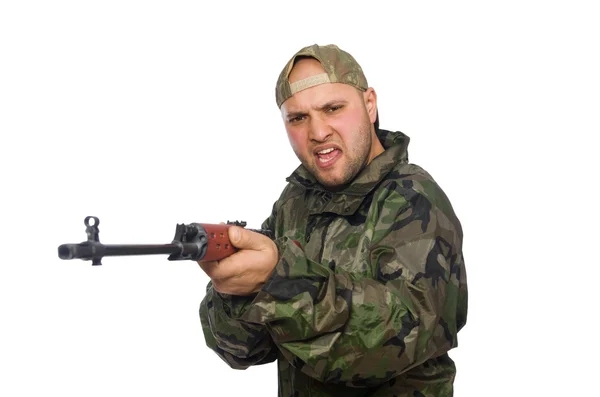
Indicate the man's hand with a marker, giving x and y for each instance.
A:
(244, 272)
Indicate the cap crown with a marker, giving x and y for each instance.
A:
(339, 66)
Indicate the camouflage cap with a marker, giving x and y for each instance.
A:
(340, 67)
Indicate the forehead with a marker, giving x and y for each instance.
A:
(318, 96)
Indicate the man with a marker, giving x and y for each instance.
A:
(363, 289)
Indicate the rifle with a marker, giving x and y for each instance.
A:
(201, 242)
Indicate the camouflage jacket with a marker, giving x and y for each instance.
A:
(369, 292)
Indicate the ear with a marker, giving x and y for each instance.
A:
(370, 99)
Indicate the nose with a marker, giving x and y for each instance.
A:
(320, 130)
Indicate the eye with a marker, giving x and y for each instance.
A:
(334, 108)
(296, 119)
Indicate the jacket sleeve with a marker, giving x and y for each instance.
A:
(364, 330)
(240, 344)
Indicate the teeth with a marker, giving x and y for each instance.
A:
(325, 151)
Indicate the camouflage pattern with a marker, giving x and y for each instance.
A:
(369, 292)
(340, 66)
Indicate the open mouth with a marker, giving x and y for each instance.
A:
(327, 156)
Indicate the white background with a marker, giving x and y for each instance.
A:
(152, 113)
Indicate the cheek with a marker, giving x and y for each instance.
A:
(348, 125)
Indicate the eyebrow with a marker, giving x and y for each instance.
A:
(322, 107)
(331, 103)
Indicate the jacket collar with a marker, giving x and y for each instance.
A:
(347, 200)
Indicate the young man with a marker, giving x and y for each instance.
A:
(363, 289)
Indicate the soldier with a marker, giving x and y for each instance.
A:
(363, 289)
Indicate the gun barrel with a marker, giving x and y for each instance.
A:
(90, 251)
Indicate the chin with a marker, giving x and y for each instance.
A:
(332, 183)
(328, 179)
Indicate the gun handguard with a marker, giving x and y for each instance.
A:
(195, 241)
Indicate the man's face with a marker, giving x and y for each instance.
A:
(330, 127)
